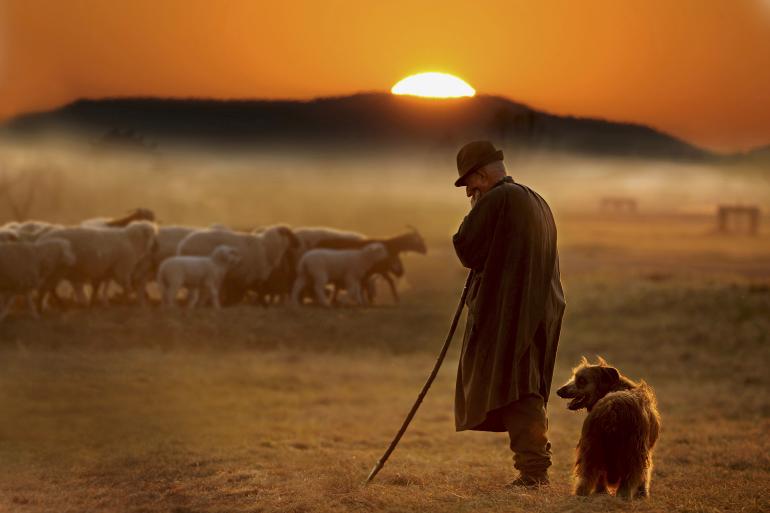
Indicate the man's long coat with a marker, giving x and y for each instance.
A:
(515, 304)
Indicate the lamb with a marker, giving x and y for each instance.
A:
(261, 252)
(349, 267)
(24, 266)
(196, 273)
(138, 214)
(103, 254)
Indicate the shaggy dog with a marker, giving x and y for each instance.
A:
(619, 433)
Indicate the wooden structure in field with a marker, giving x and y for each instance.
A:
(618, 205)
(738, 219)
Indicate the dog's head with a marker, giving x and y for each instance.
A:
(589, 383)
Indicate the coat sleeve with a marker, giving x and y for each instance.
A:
(474, 237)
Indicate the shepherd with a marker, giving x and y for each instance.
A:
(515, 306)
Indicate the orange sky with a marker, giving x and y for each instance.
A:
(699, 69)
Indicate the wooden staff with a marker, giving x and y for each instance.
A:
(426, 386)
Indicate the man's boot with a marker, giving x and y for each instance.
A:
(530, 480)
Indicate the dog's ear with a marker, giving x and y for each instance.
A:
(610, 375)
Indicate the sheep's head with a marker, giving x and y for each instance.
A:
(278, 240)
(226, 255)
(8, 236)
(415, 241)
(142, 236)
(142, 214)
(286, 233)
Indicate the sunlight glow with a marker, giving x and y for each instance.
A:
(433, 85)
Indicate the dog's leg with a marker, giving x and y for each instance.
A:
(644, 488)
(585, 485)
(629, 488)
(601, 484)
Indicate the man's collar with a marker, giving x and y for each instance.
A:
(505, 179)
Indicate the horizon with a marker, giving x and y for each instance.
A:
(715, 152)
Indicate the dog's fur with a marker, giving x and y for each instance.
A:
(619, 433)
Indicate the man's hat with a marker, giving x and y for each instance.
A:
(473, 156)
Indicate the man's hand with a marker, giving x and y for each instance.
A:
(475, 197)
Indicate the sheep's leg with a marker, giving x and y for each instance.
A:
(297, 290)
(319, 286)
(31, 304)
(214, 297)
(392, 283)
(353, 287)
(123, 280)
(42, 295)
(369, 290)
(96, 293)
(139, 285)
(169, 294)
(80, 294)
(193, 299)
(50, 297)
(5, 303)
(335, 293)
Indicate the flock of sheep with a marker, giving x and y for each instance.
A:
(216, 265)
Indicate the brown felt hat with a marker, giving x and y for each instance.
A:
(473, 156)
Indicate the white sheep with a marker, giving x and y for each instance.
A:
(30, 231)
(260, 253)
(347, 267)
(8, 235)
(196, 273)
(24, 267)
(104, 254)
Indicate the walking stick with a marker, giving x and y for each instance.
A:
(425, 387)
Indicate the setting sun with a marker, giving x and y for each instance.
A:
(433, 85)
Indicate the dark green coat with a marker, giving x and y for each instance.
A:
(515, 304)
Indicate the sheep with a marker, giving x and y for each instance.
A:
(196, 273)
(8, 235)
(322, 266)
(103, 254)
(138, 214)
(166, 241)
(30, 231)
(409, 241)
(279, 284)
(24, 267)
(309, 237)
(261, 252)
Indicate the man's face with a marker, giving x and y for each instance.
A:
(476, 184)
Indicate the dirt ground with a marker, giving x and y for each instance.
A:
(259, 410)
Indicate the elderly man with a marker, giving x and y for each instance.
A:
(515, 306)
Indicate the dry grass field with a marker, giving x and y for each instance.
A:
(282, 410)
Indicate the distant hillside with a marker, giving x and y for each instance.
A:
(362, 121)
